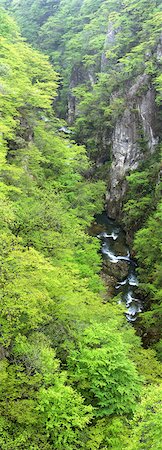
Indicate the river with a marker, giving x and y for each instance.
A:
(115, 251)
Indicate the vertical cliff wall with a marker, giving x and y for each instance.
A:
(121, 108)
(133, 140)
(108, 54)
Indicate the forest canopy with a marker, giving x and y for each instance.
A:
(73, 372)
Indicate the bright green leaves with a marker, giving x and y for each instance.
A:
(6, 210)
(8, 27)
(27, 80)
(40, 406)
(52, 302)
(148, 252)
(137, 30)
(142, 212)
(147, 425)
(143, 193)
(147, 241)
(86, 41)
(102, 369)
(25, 300)
(37, 356)
(111, 433)
(158, 83)
(64, 415)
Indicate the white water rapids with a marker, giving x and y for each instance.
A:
(114, 249)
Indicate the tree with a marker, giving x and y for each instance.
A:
(147, 428)
(100, 368)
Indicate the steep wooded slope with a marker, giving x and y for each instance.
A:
(70, 376)
(109, 56)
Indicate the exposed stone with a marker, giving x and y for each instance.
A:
(118, 271)
(147, 112)
(125, 155)
(139, 116)
(141, 82)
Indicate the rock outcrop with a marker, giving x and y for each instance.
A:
(133, 139)
(135, 136)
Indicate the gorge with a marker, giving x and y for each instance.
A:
(116, 253)
(80, 222)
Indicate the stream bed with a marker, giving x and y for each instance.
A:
(119, 265)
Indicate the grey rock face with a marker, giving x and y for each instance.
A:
(138, 117)
(119, 271)
(147, 114)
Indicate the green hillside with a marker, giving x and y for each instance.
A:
(74, 374)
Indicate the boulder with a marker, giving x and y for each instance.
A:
(118, 270)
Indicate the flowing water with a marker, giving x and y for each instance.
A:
(114, 249)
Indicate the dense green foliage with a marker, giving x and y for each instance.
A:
(143, 211)
(70, 377)
(99, 48)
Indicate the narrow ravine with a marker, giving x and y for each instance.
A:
(119, 264)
